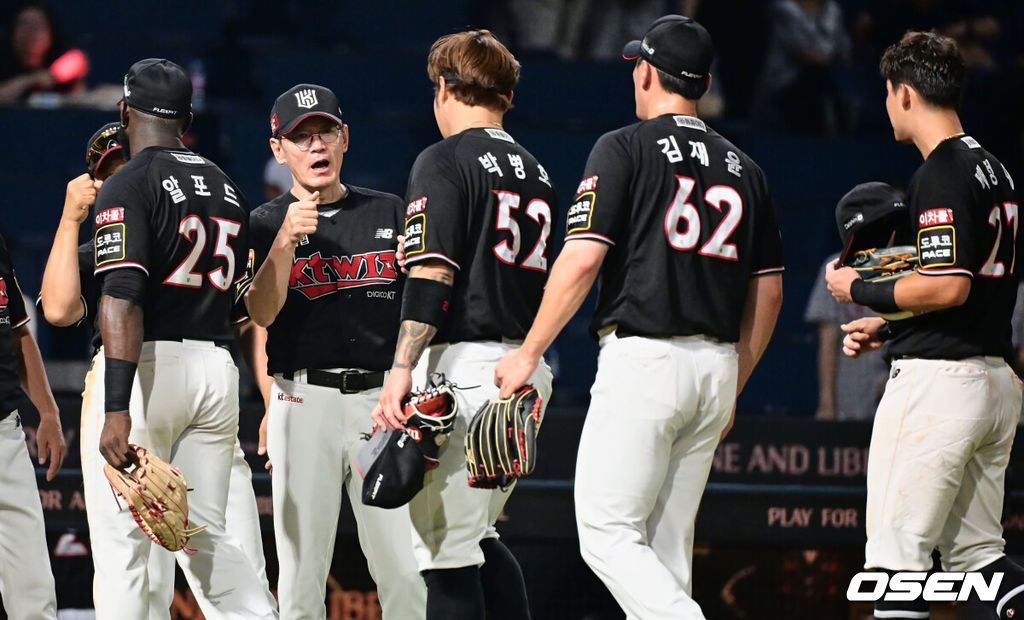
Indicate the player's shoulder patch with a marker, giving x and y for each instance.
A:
(937, 246)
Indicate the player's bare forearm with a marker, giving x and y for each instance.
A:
(121, 328)
(919, 293)
(252, 340)
(61, 295)
(49, 436)
(32, 373)
(571, 278)
(269, 287)
(414, 336)
(761, 310)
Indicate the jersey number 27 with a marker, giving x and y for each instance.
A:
(192, 229)
(720, 197)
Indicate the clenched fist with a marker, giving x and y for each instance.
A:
(81, 194)
(301, 219)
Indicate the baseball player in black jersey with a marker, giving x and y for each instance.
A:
(681, 222)
(170, 243)
(26, 582)
(69, 296)
(477, 224)
(945, 425)
(327, 291)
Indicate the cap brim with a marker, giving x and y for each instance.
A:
(632, 50)
(99, 162)
(292, 125)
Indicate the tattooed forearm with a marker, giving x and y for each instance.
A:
(413, 338)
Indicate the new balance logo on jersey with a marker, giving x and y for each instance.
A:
(319, 275)
(306, 98)
(384, 233)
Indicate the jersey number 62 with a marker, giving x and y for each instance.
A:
(719, 197)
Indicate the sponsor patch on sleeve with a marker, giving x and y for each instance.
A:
(109, 243)
(933, 217)
(415, 234)
(109, 216)
(588, 184)
(578, 218)
(936, 246)
(416, 206)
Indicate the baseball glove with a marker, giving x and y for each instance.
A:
(430, 416)
(501, 443)
(881, 264)
(156, 493)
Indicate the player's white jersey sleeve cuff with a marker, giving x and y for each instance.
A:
(945, 272)
(592, 236)
(767, 270)
(120, 265)
(415, 259)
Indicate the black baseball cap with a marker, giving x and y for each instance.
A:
(299, 103)
(677, 45)
(105, 141)
(868, 215)
(158, 87)
(392, 467)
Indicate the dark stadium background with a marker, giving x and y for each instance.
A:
(756, 556)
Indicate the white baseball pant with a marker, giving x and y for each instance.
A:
(939, 449)
(657, 409)
(449, 517)
(184, 408)
(313, 436)
(26, 581)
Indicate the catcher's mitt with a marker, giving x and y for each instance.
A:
(156, 493)
(501, 443)
(881, 264)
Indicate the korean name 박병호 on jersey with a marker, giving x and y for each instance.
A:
(689, 220)
(482, 203)
(179, 219)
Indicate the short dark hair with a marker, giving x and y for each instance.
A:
(929, 63)
(476, 67)
(689, 89)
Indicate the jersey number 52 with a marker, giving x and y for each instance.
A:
(540, 212)
(720, 197)
(192, 229)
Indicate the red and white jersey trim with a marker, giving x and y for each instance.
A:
(122, 264)
(589, 235)
(419, 257)
(22, 322)
(945, 272)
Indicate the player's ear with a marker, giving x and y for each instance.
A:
(344, 138)
(904, 95)
(442, 90)
(275, 148)
(646, 75)
(186, 124)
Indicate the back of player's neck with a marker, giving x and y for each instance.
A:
(934, 133)
(674, 105)
(141, 142)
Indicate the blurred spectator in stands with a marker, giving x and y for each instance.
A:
(798, 86)
(848, 388)
(277, 179)
(33, 58)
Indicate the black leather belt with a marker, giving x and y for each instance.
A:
(348, 382)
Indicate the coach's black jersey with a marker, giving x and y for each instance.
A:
(480, 202)
(344, 293)
(689, 221)
(177, 217)
(12, 315)
(965, 212)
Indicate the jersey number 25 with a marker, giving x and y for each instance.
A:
(192, 229)
(719, 197)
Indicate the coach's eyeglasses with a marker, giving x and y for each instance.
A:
(304, 139)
